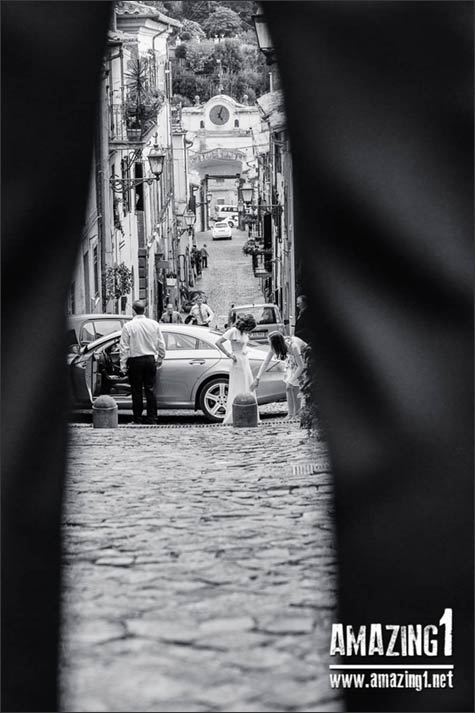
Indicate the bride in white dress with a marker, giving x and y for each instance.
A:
(240, 375)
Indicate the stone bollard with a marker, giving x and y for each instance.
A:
(105, 413)
(245, 411)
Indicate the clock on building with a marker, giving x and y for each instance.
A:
(219, 114)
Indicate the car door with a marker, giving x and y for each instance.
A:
(109, 380)
(187, 359)
(80, 372)
(95, 372)
(83, 371)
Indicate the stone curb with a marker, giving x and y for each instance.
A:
(136, 426)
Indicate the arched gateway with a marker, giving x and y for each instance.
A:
(225, 137)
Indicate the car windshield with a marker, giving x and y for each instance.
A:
(220, 225)
(263, 314)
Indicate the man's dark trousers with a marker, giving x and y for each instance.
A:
(142, 376)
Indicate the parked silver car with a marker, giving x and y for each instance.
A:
(194, 374)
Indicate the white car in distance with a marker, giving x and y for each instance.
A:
(221, 231)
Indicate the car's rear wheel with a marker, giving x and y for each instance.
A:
(213, 398)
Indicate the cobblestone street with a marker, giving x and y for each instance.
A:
(228, 279)
(200, 570)
(200, 563)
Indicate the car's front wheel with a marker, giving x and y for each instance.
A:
(213, 398)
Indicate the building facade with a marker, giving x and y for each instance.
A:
(129, 247)
(277, 207)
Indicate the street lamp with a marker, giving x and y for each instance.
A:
(156, 159)
(190, 218)
(247, 192)
(264, 39)
(206, 202)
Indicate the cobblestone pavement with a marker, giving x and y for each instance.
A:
(199, 570)
(229, 278)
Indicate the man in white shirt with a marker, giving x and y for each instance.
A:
(142, 349)
(201, 313)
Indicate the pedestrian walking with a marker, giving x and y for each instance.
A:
(204, 256)
(193, 266)
(171, 315)
(142, 350)
(198, 262)
(289, 350)
(200, 313)
(240, 375)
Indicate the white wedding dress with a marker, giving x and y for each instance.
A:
(240, 375)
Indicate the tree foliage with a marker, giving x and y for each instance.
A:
(223, 21)
(199, 10)
(191, 30)
(196, 68)
(197, 71)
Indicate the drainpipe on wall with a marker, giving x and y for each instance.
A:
(100, 202)
(102, 185)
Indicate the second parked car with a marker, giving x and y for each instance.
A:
(267, 316)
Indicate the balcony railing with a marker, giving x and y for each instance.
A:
(126, 127)
(117, 123)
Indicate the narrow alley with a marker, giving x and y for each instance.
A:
(228, 278)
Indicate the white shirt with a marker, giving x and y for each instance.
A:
(141, 337)
(202, 313)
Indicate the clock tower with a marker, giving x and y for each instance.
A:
(225, 134)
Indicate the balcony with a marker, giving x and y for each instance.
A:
(130, 123)
(124, 128)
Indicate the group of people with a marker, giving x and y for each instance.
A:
(286, 349)
(142, 350)
(200, 314)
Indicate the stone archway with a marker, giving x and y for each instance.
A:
(218, 171)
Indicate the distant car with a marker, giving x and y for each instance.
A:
(221, 231)
(86, 328)
(194, 374)
(229, 214)
(267, 316)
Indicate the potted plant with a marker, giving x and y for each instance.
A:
(118, 282)
(143, 102)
